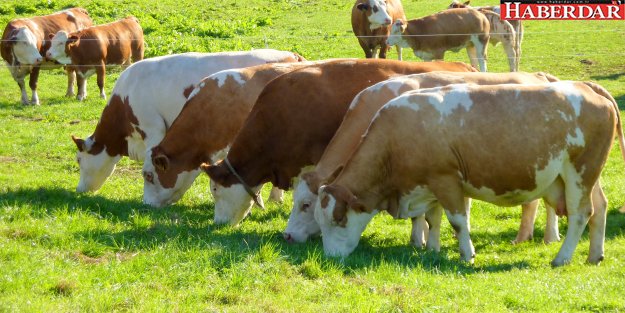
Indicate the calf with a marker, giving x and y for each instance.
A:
(371, 23)
(200, 133)
(301, 222)
(499, 30)
(462, 141)
(91, 49)
(146, 99)
(24, 44)
(293, 120)
(453, 29)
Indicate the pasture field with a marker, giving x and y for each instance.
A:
(66, 252)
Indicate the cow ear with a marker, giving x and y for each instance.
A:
(363, 6)
(80, 144)
(73, 39)
(357, 206)
(467, 2)
(50, 36)
(217, 172)
(160, 161)
(334, 175)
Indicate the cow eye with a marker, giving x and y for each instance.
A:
(148, 176)
(375, 9)
(305, 207)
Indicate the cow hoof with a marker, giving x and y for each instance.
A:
(80, 98)
(557, 262)
(595, 261)
(70, 94)
(548, 240)
(522, 238)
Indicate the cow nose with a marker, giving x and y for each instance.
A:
(288, 238)
(387, 21)
(38, 60)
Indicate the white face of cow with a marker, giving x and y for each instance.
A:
(232, 203)
(302, 224)
(155, 194)
(339, 240)
(378, 15)
(395, 37)
(57, 49)
(25, 47)
(94, 169)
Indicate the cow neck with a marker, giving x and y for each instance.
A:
(248, 189)
(116, 123)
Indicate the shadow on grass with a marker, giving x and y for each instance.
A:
(187, 227)
(614, 76)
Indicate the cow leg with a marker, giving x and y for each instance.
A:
(419, 231)
(472, 55)
(519, 39)
(528, 216)
(365, 47)
(433, 218)
(578, 213)
(480, 42)
(552, 234)
(71, 80)
(383, 49)
(450, 195)
(32, 82)
(375, 52)
(276, 195)
(101, 72)
(508, 46)
(597, 225)
(399, 56)
(82, 86)
(22, 85)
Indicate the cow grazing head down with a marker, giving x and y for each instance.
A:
(376, 13)
(342, 219)
(395, 37)
(95, 164)
(458, 5)
(164, 182)
(23, 43)
(58, 48)
(301, 224)
(233, 203)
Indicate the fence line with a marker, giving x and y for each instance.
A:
(371, 36)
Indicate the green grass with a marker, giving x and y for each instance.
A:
(61, 251)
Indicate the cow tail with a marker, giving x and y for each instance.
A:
(619, 128)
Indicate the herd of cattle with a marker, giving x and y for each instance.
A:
(353, 136)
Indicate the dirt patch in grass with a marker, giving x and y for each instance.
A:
(64, 288)
(10, 159)
(105, 258)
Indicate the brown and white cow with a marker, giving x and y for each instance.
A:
(302, 223)
(201, 134)
(463, 141)
(24, 45)
(454, 29)
(146, 99)
(499, 30)
(90, 50)
(291, 123)
(371, 23)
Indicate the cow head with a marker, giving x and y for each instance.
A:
(164, 180)
(95, 164)
(24, 45)
(302, 224)
(342, 219)
(376, 11)
(395, 36)
(58, 47)
(457, 4)
(232, 202)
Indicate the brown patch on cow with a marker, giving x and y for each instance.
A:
(324, 201)
(116, 123)
(345, 201)
(140, 131)
(187, 91)
(312, 181)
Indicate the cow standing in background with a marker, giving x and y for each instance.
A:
(24, 45)
(91, 49)
(454, 29)
(371, 23)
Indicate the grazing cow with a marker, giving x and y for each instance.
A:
(147, 99)
(91, 49)
(462, 141)
(24, 44)
(371, 23)
(200, 133)
(499, 30)
(453, 29)
(291, 123)
(302, 223)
